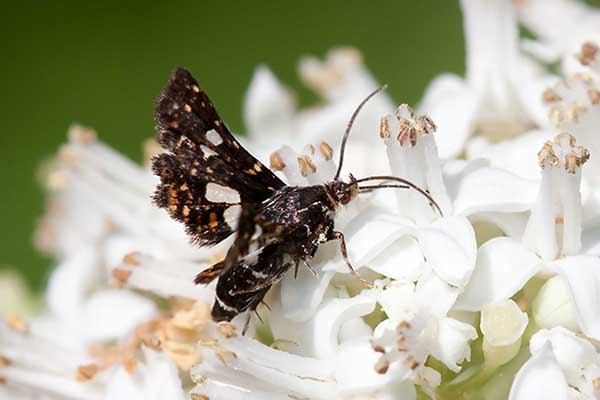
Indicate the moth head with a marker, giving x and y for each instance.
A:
(342, 192)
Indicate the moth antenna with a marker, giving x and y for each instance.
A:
(405, 184)
(347, 132)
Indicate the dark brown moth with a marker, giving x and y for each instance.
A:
(209, 180)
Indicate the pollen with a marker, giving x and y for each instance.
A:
(563, 151)
(86, 372)
(121, 276)
(132, 258)
(326, 150)
(384, 128)
(276, 162)
(305, 164)
(227, 329)
(594, 96)
(17, 323)
(4, 362)
(550, 95)
(588, 53)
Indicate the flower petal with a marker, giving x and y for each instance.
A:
(503, 267)
(450, 248)
(451, 345)
(488, 189)
(112, 314)
(582, 276)
(321, 333)
(268, 106)
(357, 378)
(540, 378)
(301, 295)
(572, 352)
(452, 105)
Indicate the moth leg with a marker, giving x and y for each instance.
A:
(247, 323)
(264, 303)
(310, 268)
(258, 316)
(340, 236)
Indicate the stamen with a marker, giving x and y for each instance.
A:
(569, 155)
(121, 276)
(408, 126)
(86, 372)
(326, 150)
(588, 54)
(305, 164)
(323, 76)
(4, 361)
(571, 99)
(17, 323)
(276, 162)
(227, 329)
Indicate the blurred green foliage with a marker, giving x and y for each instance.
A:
(102, 64)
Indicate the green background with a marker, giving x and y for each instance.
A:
(103, 64)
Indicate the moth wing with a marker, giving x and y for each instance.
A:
(183, 110)
(244, 285)
(207, 175)
(245, 229)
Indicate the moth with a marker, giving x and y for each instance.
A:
(209, 182)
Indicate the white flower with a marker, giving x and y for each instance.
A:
(562, 366)
(343, 82)
(551, 242)
(156, 379)
(560, 26)
(499, 98)
(340, 359)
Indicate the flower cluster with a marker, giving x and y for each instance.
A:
(495, 294)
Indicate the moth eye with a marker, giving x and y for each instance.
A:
(216, 193)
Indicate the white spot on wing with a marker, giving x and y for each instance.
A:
(232, 216)
(207, 152)
(214, 137)
(252, 258)
(221, 194)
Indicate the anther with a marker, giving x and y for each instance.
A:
(276, 162)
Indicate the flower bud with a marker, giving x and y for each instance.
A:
(553, 306)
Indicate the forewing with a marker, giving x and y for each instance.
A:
(203, 152)
(183, 193)
(245, 229)
(184, 110)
